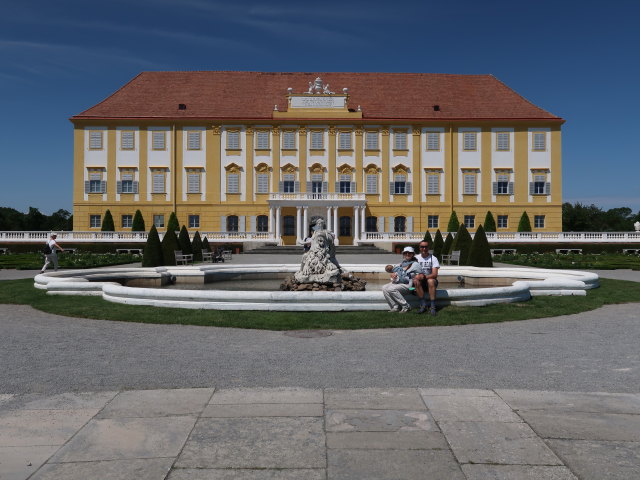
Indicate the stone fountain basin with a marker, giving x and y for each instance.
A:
(140, 286)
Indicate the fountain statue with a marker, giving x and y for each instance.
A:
(637, 226)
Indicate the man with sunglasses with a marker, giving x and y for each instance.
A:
(427, 281)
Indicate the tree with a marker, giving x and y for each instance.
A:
(196, 246)
(173, 223)
(427, 238)
(480, 253)
(107, 223)
(438, 244)
(489, 222)
(205, 245)
(169, 246)
(152, 253)
(11, 219)
(462, 242)
(185, 242)
(448, 243)
(138, 222)
(454, 223)
(35, 220)
(60, 220)
(524, 225)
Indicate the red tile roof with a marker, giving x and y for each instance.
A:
(252, 95)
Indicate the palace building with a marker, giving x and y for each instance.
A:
(256, 157)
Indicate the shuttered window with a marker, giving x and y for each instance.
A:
(372, 183)
(127, 140)
(288, 183)
(433, 184)
(433, 141)
(400, 140)
(95, 183)
(158, 140)
(344, 140)
(539, 182)
(158, 182)
(400, 224)
(95, 139)
(288, 140)
(371, 141)
(262, 139)
(232, 223)
(233, 140)
(469, 141)
(371, 224)
(193, 183)
(317, 140)
(502, 141)
(126, 183)
(469, 184)
(400, 185)
(193, 140)
(345, 184)
(262, 183)
(262, 223)
(539, 141)
(233, 183)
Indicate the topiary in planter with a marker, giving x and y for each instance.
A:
(169, 246)
(480, 253)
(173, 223)
(462, 242)
(185, 242)
(448, 243)
(454, 223)
(196, 246)
(489, 222)
(524, 225)
(438, 244)
(152, 253)
(107, 223)
(138, 222)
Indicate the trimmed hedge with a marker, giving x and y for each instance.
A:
(454, 223)
(480, 253)
(185, 242)
(152, 255)
(169, 246)
(438, 244)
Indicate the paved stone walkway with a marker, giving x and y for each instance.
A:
(313, 434)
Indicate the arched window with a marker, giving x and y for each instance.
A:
(345, 226)
(262, 223)
(232, 223)
(399, 224)
(289, 225)
(371, 224)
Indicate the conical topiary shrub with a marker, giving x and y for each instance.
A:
(107, 222)
(196, 246)
(462, 242)
(438, 244)
(480, 253)
(138, 222)
(427, 238)
(524, 225)
(173, 223)
(152, 253)
(489, 222)
(454, 223)
(169, 246)
(448, 243)
(205, 244)
(185, 241)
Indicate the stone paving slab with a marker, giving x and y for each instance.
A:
(592, 460)
(516, 472)
(155, 403)
(572, 401)
(20, 462)
(266, 395)
(456, 392)
(412, 440)
(373, 398)
(584, 426)
(63, 401)
(265, 410)
(236, 474)
(378, 421)
(470, 409)
(138, 469)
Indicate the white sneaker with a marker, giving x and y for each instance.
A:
(405, 309)
(394, 309)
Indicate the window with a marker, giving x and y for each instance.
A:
(399, 185)
(503, 186)
(372, 183)
(233, 140)
(127, 140)
(95, 221)
(262, 139)
(288, 140)
(158, 221)
(158, 181)
(288, 183)
(345, 226)
(193, 140)
(371, 139)
(95, 183)
(371, 224)
(345, 184)
(262, 183)
(400, 141)
(503, 221)
(233, 183)
(432, 221)
(317, 140)
(433, 184)
(469, 183)
(470, 221)
(95, 139)
(193, 182)
(344, 140)
(433, 141)
(399, 224)
(539, 186)
(503, 141)
(539, 141)
(232, 223)
(289, 225)
(262, 223)
(127, 221)
(194, 221)
(316, 183)
(126, 183)
(158, 140)
(538, 221)
(469, 141)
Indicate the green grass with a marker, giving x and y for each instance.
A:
(605, 261)
(33, 261)
(23, 292)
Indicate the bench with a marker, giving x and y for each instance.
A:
(631, 251)
(133, 251)
(567, 251)
(226, 255)
(450, 259)
(502, 251)
(182, 258)
(213, 257)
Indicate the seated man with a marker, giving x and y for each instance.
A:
(428, 279)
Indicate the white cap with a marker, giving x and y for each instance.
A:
(408, 249)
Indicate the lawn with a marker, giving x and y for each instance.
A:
(33, 261)
(23, 292)
(605, 261)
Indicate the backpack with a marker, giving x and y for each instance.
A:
(47, 249)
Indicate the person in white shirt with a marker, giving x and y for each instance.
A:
(427, 281)
(51, 257)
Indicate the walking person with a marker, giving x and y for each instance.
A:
(427, 281)
(51, 254)
(395, 290)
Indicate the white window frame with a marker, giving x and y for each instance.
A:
(317, 140)
(503, 221)
(344, 183)
(96, 139)
(469, 141)
(539, 141)
(371, 141)
(503, 141)
(433, 141)
(433, 221)
(288, 180)
(470, 221)
(194, 221)
(158, 221)
(95, 221)
(262, 140)
(158, 140)
(233, 139)
(288, 140)
(400, 140)
(95, 183)
(127, 221)
(344, 140)
(538, 221)
(126, 183)
(194, 140)
(400, 184)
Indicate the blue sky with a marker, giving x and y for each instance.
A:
(579, 60)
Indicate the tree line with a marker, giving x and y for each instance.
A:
(34, 220)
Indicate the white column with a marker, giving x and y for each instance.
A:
(356, 229)
(299, 224)
(278, 236)
(363, 220)
(329, 222)
(336, 230)
(271, 222)
(305, 222)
